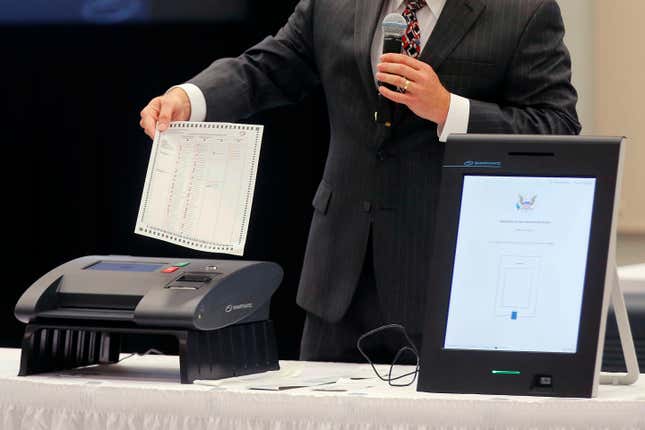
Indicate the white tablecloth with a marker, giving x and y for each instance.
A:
(144, 393)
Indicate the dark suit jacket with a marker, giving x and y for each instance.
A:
(506, 56)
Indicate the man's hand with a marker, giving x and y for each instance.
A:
(424, 94)
(172, 106)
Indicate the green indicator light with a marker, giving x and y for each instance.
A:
(506, 372)
(184, 264)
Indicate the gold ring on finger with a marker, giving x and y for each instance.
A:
(407, 85)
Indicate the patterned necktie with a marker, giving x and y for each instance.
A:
(412, 36)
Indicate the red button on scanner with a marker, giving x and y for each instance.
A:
(169, 269)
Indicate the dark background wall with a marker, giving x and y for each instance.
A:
(74, 158)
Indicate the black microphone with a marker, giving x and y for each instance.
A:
(394, 26)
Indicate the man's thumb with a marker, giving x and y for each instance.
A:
(165, 114)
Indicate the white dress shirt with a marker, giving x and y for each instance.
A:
(459, 111)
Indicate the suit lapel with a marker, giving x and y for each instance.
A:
(366, 18)
(457, 17)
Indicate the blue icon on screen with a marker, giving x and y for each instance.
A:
(514, 315)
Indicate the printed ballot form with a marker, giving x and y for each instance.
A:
(199, 186)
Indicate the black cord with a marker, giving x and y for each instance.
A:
(411, 348)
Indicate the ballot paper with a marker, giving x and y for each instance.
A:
(303, 375)
(199, 186)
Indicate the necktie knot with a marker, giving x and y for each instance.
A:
(415, 5)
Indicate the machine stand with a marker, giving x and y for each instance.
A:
(626, 339)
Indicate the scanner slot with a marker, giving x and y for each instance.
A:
(191, 281)
(532, 154)
(195, 277)
(88, 314)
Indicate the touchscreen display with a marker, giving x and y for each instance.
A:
(125, 266)
(520, 262)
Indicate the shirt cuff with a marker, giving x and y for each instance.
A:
(197, 101)
(458, 117)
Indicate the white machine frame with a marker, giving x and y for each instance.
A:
(626, 338)
(614, 293)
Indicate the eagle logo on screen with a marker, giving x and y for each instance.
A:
(525, 204)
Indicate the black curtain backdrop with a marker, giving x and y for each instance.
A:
(74, 159)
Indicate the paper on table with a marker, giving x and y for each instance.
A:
(296, 375)
(281, 384)
(354, 386)
(199, 185)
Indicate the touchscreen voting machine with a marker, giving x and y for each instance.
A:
(523, 265)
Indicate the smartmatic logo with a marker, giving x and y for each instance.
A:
(240, 307)
(483, 164)
(525, 204)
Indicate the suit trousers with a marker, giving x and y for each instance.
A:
(336, 342)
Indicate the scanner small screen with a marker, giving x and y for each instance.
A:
(125, 266)
(520, 263)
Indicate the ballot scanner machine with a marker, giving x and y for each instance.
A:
(218, 310)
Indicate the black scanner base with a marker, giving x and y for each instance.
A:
(231, 351)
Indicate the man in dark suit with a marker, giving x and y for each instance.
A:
(476, 66)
